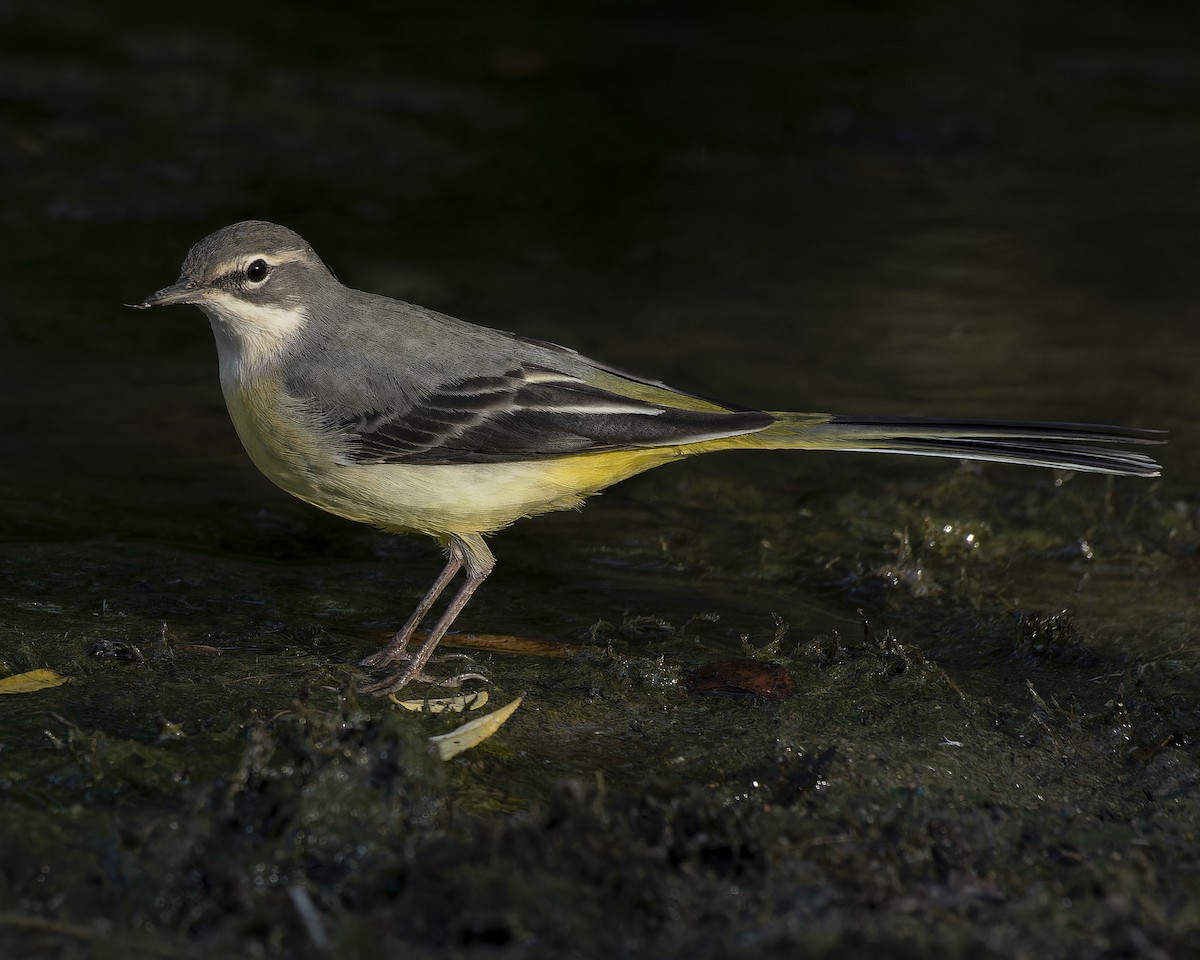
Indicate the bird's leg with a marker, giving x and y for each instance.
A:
(399, 643)
(469, 550)
(413, 667)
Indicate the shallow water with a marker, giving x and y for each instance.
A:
(862, 210)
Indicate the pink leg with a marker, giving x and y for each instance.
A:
(412, 669)
(469, 551)
(399, 643)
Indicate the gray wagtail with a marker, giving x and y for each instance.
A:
(388, 413)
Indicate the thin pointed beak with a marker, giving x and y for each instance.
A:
(184, 291)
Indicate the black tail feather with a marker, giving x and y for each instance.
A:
(1069, 446)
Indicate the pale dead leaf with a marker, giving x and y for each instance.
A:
(472, 734)
(456, 704)
(32, 681)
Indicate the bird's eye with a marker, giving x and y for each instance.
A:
(256, 270)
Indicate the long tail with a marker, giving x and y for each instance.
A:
(1067, 446)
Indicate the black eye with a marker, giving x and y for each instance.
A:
(256, 271)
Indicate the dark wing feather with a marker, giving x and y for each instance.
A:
(529, 413)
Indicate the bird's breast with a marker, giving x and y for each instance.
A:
(289, 444)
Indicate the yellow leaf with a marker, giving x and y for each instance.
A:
(457, 704)
(32, 681)
(471, 734)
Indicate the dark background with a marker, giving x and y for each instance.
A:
(906, 208)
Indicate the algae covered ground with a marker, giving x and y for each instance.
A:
(978, 776)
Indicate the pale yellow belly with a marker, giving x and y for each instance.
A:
(306, 461)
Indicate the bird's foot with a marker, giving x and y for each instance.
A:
(414, 673)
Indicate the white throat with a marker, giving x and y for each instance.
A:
(250, 336)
